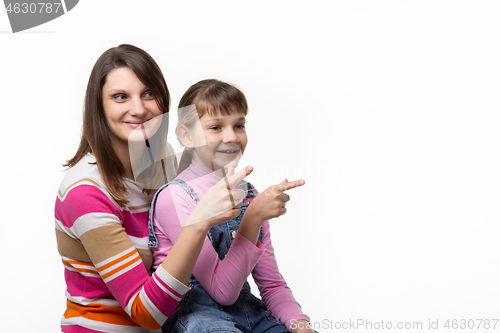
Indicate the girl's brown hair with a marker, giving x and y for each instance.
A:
(95, 130)
(210, 97)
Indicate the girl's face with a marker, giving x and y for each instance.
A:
(127, 104)
(219, 138)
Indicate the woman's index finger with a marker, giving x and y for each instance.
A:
(235, 179)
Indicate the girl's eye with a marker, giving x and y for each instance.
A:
(215, 128)
(120, 97)
(148, 95)
(240, 127)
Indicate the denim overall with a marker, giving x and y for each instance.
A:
(198, 312)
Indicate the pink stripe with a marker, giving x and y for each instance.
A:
(136, 224)
(164, 302)
(84, 199)
(127, 284)
(84, 286)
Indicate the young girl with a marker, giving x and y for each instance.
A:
(220, 299)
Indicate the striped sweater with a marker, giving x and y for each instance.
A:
(107, 262)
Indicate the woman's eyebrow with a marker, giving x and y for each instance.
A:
(114, 91)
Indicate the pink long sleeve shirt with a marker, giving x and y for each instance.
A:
(223, 279)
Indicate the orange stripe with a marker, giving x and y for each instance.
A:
(114, 262)
(79, 263)
(105, 276)
(141, 315)
(100, 313)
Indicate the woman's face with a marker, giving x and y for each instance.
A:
(221, 139)
(127, 104)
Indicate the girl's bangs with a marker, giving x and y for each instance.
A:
(214, 105)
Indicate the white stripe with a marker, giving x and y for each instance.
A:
(92, 268)
(169, 280)
(91, 221)
(104, 327)
(158, 283)
(117, 274)
(130, 303)
(140, 242)
(95, 275)
(66, 191)
(86, 301)
(61, 227)
(152, 309)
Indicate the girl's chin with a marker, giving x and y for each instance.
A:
(225, 165)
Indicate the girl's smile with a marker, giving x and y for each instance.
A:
(218, 141)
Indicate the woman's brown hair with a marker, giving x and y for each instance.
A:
(95, 130)
(210, 97)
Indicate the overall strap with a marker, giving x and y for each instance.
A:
(153, 242)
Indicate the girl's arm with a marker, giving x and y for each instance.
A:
(222, 279)
(272, 286)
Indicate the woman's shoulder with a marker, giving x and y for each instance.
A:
(85, 172)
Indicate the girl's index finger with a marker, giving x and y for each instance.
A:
(289, 185)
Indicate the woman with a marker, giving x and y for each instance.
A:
(101, 213)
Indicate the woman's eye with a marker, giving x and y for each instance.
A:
(240, 127)
(120, 97)
(215, 128)
(148, 95)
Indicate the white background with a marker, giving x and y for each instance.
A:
(388, 109)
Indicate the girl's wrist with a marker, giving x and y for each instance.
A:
(252, 217)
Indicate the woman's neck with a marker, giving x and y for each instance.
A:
(122, 152)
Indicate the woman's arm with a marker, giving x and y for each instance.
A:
(100, 259)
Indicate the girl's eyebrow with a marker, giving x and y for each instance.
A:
(222, 119)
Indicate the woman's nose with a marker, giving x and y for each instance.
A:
(138, 107)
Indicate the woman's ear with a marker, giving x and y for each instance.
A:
(184, 136)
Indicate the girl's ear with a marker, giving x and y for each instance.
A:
(184, 135)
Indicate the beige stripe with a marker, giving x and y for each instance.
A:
(104, 242)
(140, 207)
(62, 195)
(70, 247)
(147, 259)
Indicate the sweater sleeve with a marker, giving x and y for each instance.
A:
(222, 279)
(89, 217)
(272, 286)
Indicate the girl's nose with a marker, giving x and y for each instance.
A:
(138, 107)
(230, 136)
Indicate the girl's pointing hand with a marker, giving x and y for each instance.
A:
(271, 203)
